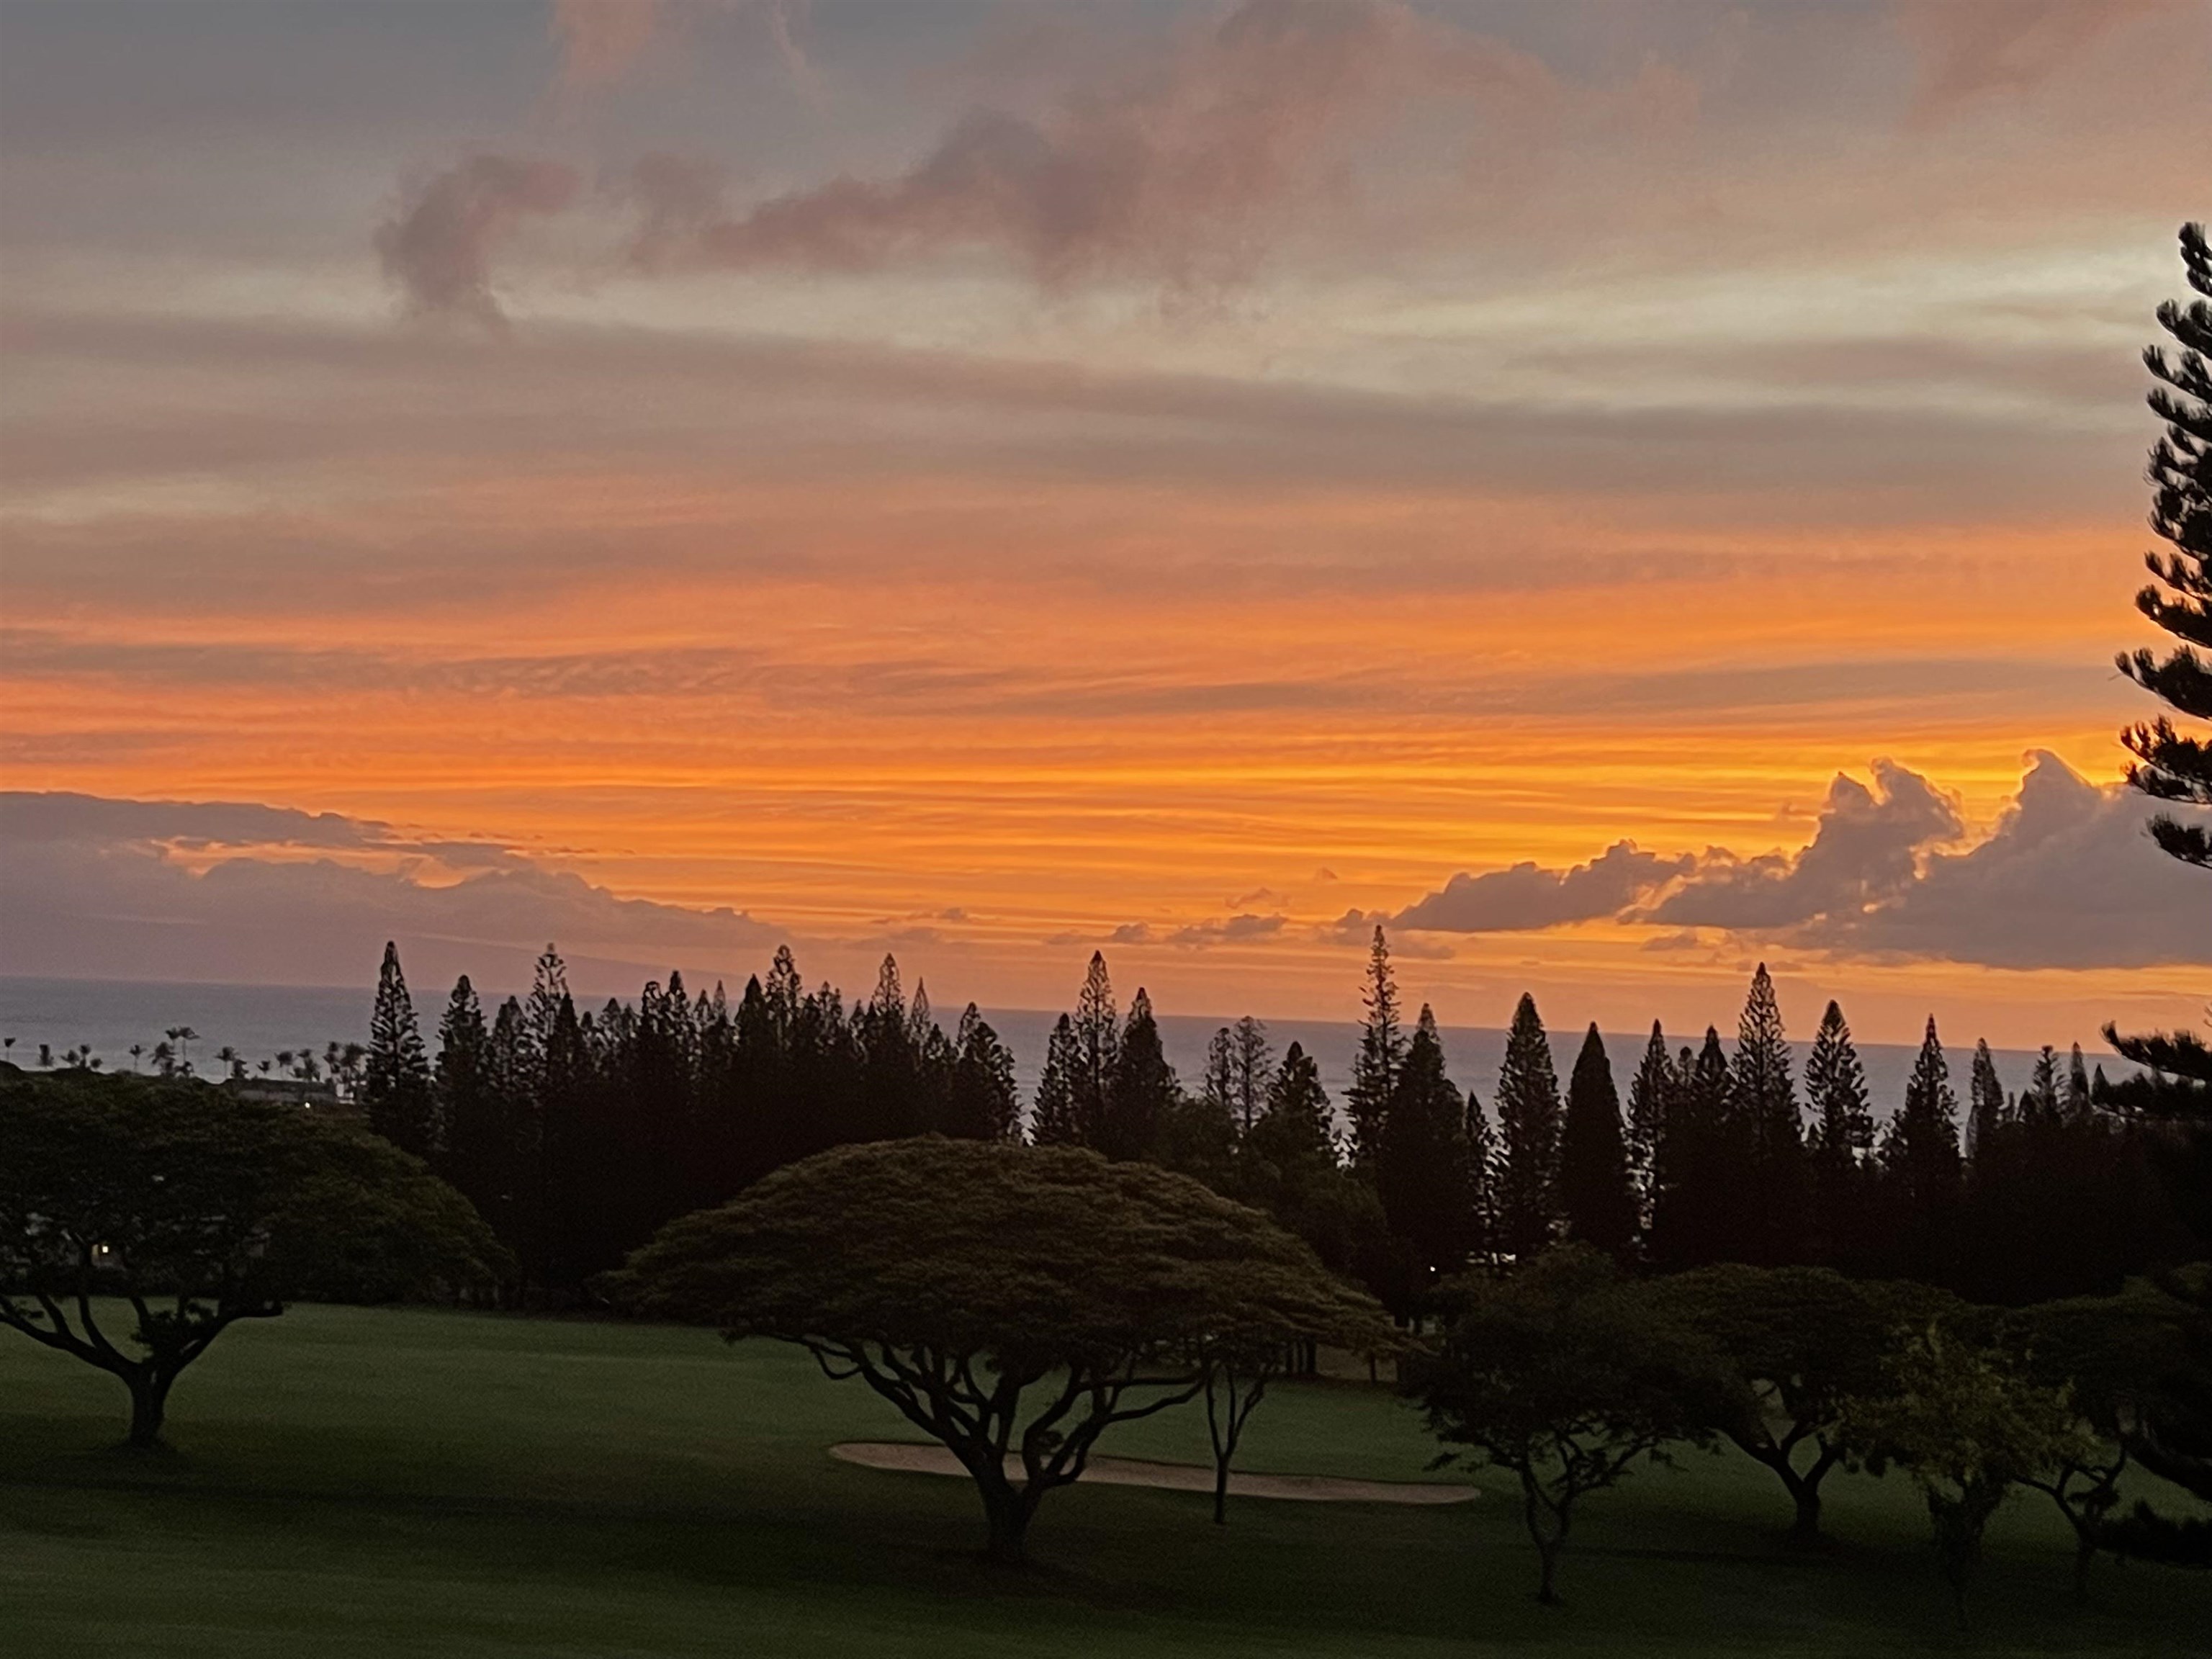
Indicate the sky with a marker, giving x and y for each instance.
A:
(1610, 493)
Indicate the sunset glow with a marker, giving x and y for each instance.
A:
(1511, 441)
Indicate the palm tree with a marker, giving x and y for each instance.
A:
(137, 1049)
(183, 1036)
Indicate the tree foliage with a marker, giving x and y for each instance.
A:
(956, 1277)
(1799, 1345)
(2170, 765)
(1968, 1425)
(198, 1209)
(1564, 1375)
(1595, 1196)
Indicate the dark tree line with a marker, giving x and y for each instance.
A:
(577, 1132)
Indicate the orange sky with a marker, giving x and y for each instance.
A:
(905, 568)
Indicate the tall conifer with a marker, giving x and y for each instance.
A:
(1422, 1170)
(2170, 765)
(1381, 1051)
(1482, 1181)
(1097, 1045)
(1052, 1120)
(469, 1104)
(1141, 1090)
(396, 1086)
(1843, 1136)
(1921, 1164)
(2076, 1107)
(1529, 1136)
(1595, 1193)
(1985, 1114)
(1768, 1135)
(1649, 1093)
(984, 1104)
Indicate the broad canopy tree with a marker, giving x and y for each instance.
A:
(1798, 1346)
(1967, 1424)
(196, 1210)
(1013, 1302)
(1564, 1375)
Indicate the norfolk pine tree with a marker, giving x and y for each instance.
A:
(1422, 1168)
(1528, 1137)
(1381, 1051)
(397, 1089)
(1770, 1153)
(1593, 1182)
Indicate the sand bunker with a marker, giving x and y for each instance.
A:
(1172, 1477)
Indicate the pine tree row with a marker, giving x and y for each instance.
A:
(577, 1134)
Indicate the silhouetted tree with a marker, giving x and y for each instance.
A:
(1650, 1094)
(2170, 765)
(956, 1277)
(981, 1101)
(1053, 1122)
(1595, 1195)
(1563, 1377)
(1966, 1424)
(1693, 1214)
(1799, 1344)
(1422, 1170)
(397, 1089)
(1770, 1153)
(1097, 1046)
(1288, 1166)
(1921, 1165)
(1843, 1139)
(1985, 1095)
(1482, 1156)
(196, 1209)
(1239, 1067)
(1529, 1136)
(473, 1153)
(1142, 1094)
(1381, 1051)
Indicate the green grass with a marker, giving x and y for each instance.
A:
(349, 1482)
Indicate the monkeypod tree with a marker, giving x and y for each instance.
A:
(1012, 1302)
(1564, 1375)
(1798, 1344)
(196, 1210)
(2113, 1356)
(1968, 1424)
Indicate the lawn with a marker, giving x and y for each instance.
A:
(351, 1482)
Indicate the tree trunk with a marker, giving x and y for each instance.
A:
(1010, 1523)
(150, 1399)
(2085, 1555)
(1221, 1489)
(1806, 1529)
(1548, 1554)
(1549, 1542)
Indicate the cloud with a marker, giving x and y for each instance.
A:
(1179, 173)
(2067, 878)
(1864, 849)
(99, 888)
(1527, 896)
(437, 247)
(1236, 930)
